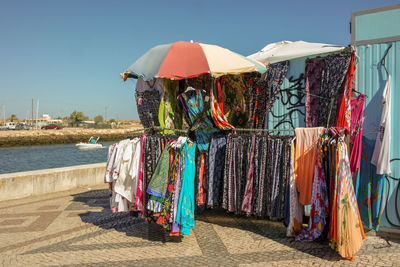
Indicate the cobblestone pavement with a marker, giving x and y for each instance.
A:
(76, 228)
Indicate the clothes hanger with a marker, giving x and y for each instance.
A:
(189, 89)
(383, 60)
(357, 92)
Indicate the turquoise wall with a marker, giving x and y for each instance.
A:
(370, 79)
(377, 25)
(296, 68)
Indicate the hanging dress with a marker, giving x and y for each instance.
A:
(186, 205)
(296, 209)
(381, 156)
(148, 97)
(349, 232)
(319, 212)
(166, 113)
(158, 184)
(194, 104)
(139, 202)
(216, 159)
(217, 107)
(370, 188)
(344, 111)
(275, 75)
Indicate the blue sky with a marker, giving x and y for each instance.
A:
(68, 54)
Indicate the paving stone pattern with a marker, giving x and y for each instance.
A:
(76, 228)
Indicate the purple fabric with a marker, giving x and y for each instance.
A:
(248, 195)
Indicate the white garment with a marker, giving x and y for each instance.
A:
(135, 166)
(381, 156)
(126, 183)
(157, 84)
(118, 158)
(295, 209)
(110, 163)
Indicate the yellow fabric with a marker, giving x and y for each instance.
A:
(223, 61)
(166, 112)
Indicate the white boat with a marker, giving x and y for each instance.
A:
(92, 143)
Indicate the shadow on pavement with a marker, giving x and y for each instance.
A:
(261, 229)
(258, 229)
(125, 222)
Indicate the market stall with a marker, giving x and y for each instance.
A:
(208, 143)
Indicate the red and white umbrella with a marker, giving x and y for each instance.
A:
(182, 60)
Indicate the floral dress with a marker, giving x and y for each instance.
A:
(194, 105)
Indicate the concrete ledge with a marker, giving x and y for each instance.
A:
(23, 184)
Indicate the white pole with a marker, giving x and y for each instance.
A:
(37, 113)
(4, 113)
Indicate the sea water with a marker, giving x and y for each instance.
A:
(28, 158)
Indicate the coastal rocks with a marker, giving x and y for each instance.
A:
(63, 136)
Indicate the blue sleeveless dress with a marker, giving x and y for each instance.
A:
(186, 205)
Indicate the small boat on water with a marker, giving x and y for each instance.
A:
(92, 143)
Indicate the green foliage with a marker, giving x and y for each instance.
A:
(13, 117)
(112, 120)
(77, 116)
(98, 119)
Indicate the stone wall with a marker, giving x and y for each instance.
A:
(24, 184)
(63, 136)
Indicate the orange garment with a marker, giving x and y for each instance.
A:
(306, 149)
(348, 233)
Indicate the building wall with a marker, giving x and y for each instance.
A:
(382, 24)
(372, 33)
(288, 110)
(370, 79)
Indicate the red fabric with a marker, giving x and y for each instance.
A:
(218, 87)
(217, 108)
(201, 195)
(184, 60)
(345, 102)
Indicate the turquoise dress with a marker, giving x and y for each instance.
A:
(194, 106)
(185, 213)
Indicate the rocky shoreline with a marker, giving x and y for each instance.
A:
(63, 136)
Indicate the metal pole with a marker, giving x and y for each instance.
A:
(261, 130)
(37, 113)
(3, 115)
(105, 114)
(32, 114)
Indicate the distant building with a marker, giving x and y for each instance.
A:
(45, 119)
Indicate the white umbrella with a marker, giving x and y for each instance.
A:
(286, 50)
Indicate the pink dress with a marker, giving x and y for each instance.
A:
(357, 113)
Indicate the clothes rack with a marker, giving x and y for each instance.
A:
(305, 93)
(261, 130)
(157, 128)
